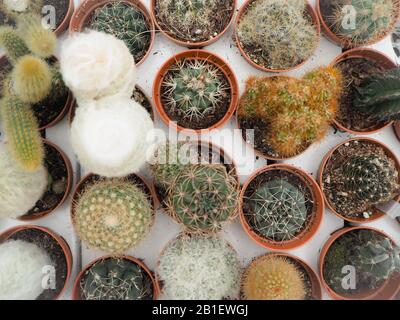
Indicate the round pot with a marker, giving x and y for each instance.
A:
(345, 43)
(199, 55)
(386, 292)
(315, 282)
(70, 177)
(397, 129)
(85, 11)
(65, 23)
(313, 226)
(76, 294)
(60, 240)
(377, 213)
(243, 9)
(188, 44)
(370, 54)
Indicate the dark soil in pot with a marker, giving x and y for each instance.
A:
(49, 244)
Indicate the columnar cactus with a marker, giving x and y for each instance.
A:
(13, 43)
(113, 215)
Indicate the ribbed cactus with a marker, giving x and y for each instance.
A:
(203, 197)
(273, 278)
(127, 23)
(379, 96)
(12, 42)
(194, 88)
(21, 130)
(116, 279)
(113, 215)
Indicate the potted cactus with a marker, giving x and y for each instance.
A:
(355, 23)
(193, 23)
(195, 91)
(115, 278)
(357, 177)
(35, 264)
(287, 115)
(277, 35)
(199, 268)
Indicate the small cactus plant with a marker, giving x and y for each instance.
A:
(116, 279)
(14, 8)
(273, 278)
(13, 43)
(113, 215)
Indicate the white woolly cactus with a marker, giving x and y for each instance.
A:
(95, 65)
(16, 5)
(21, 270)
(110, 136)
(199, 268)
(19, 189)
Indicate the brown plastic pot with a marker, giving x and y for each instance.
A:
(397, 129)
(316, 288)
(85, 11)
(196, 55)
(188, 44)
(70, 178)
(318, 210)
(243, 9)
(373, 55)
(76, 292)
(60, 240)
(343, 42)
(65, 23)
(377, 213)
(386, 292)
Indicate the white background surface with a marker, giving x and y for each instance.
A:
(165, 228)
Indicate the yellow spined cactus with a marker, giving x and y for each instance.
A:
(12, 43)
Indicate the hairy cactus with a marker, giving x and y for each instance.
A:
(14, 8)
(127, 23)
(279, 210)
(203, 197)
(21, 130)
(116, 279)
(12, 42)
(379, 96)
(113, 215)
(194, 88)
(273, 278)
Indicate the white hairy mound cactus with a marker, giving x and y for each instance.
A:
(16, 5)
(21, 266)
(19, 189)
(198, 268)
(95, 65)
(110, 136)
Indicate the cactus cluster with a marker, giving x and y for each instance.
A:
(273, 277)
(279, 32)
(127, 23)
(116, 279)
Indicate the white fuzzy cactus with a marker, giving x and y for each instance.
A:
(16, 5)
(21, 270)
(19, 189)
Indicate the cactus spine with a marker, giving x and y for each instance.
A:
(12, 42)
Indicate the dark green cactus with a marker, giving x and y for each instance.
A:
(379, 96)
(116, 279)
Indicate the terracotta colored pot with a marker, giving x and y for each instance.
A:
(315, 282)
(199, 55)
(314, 225)
(76, 294)
(60, 240)
(188, 44)
(65, 23)
(386, 292)
(397, 129)
(243, 9)
(370, 54)
(344, 43)
(377, 213)
(85, 10)
(70, 178)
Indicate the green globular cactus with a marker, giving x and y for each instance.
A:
(116, 279)
(203, 197)
(127, 23)
(194, 88)
(113, 215)
(21, 131)
(379, 96)
(12, 42)
(279, 210)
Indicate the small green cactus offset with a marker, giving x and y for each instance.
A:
(12, 42)
(116, 279)
(127, 23)
(113, 215)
